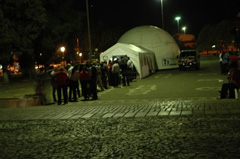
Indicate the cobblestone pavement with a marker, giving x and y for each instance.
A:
(181, 137)
(124, 108)
(177, 128)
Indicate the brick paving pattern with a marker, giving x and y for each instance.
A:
(123, 108)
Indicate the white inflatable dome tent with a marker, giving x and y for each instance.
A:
(143, 59)
(157, 40)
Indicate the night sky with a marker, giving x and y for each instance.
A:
(195, 14)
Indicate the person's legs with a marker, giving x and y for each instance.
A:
(231, 90)
(75, 91)
(59, 95)
(224, 90)
(54, 92)
(78, 90)
(114, 80)
(124, 79)
(99, 82)
(225, 71)
(84, 89)
(93, 87)
(65, 94)
(128, 81)
(221, 68)
(70, 90)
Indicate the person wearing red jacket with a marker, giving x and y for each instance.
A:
(61, 83)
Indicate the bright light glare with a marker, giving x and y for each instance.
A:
(177, 18)
(62, 49)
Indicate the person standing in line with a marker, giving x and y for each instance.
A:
(129, 63)
(85, 82)
(110, 79)
(73, 84)
(104, 72)
(131, 70)
(61, 83)
(53, 83)
(225, 60)
(93, 81)
(115, 73)
(78, 90)
(99, 75)
(69, 69)
(40, 81)
(124, 69)
(220, 61)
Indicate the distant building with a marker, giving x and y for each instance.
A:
(185, 41)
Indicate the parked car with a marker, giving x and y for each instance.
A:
(189, 59)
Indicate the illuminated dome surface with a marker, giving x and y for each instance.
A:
(157, 40)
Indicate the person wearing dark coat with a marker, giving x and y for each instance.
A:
(124, 70)
(93, 81)
(85, 82)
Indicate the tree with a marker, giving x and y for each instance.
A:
(5, 41)
(22, 22)
(220, 35)
(65, 24)
(206, 38)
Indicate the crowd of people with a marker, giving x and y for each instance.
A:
(94, 77)
(86, 80)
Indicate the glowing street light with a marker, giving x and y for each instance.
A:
(177, 19)
(62, 49)
(184, 29)
(80, 55)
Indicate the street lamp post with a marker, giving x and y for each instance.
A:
(80, 55)
(162, 14)
(184, 29)
(177, 19)
(62, 49)
(89, 33)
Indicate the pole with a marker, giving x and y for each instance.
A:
(178, 25)
(89, 33)
(162, 14)
(177, 19)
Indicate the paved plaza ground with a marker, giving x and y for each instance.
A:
(182, 137)
(183, 129)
